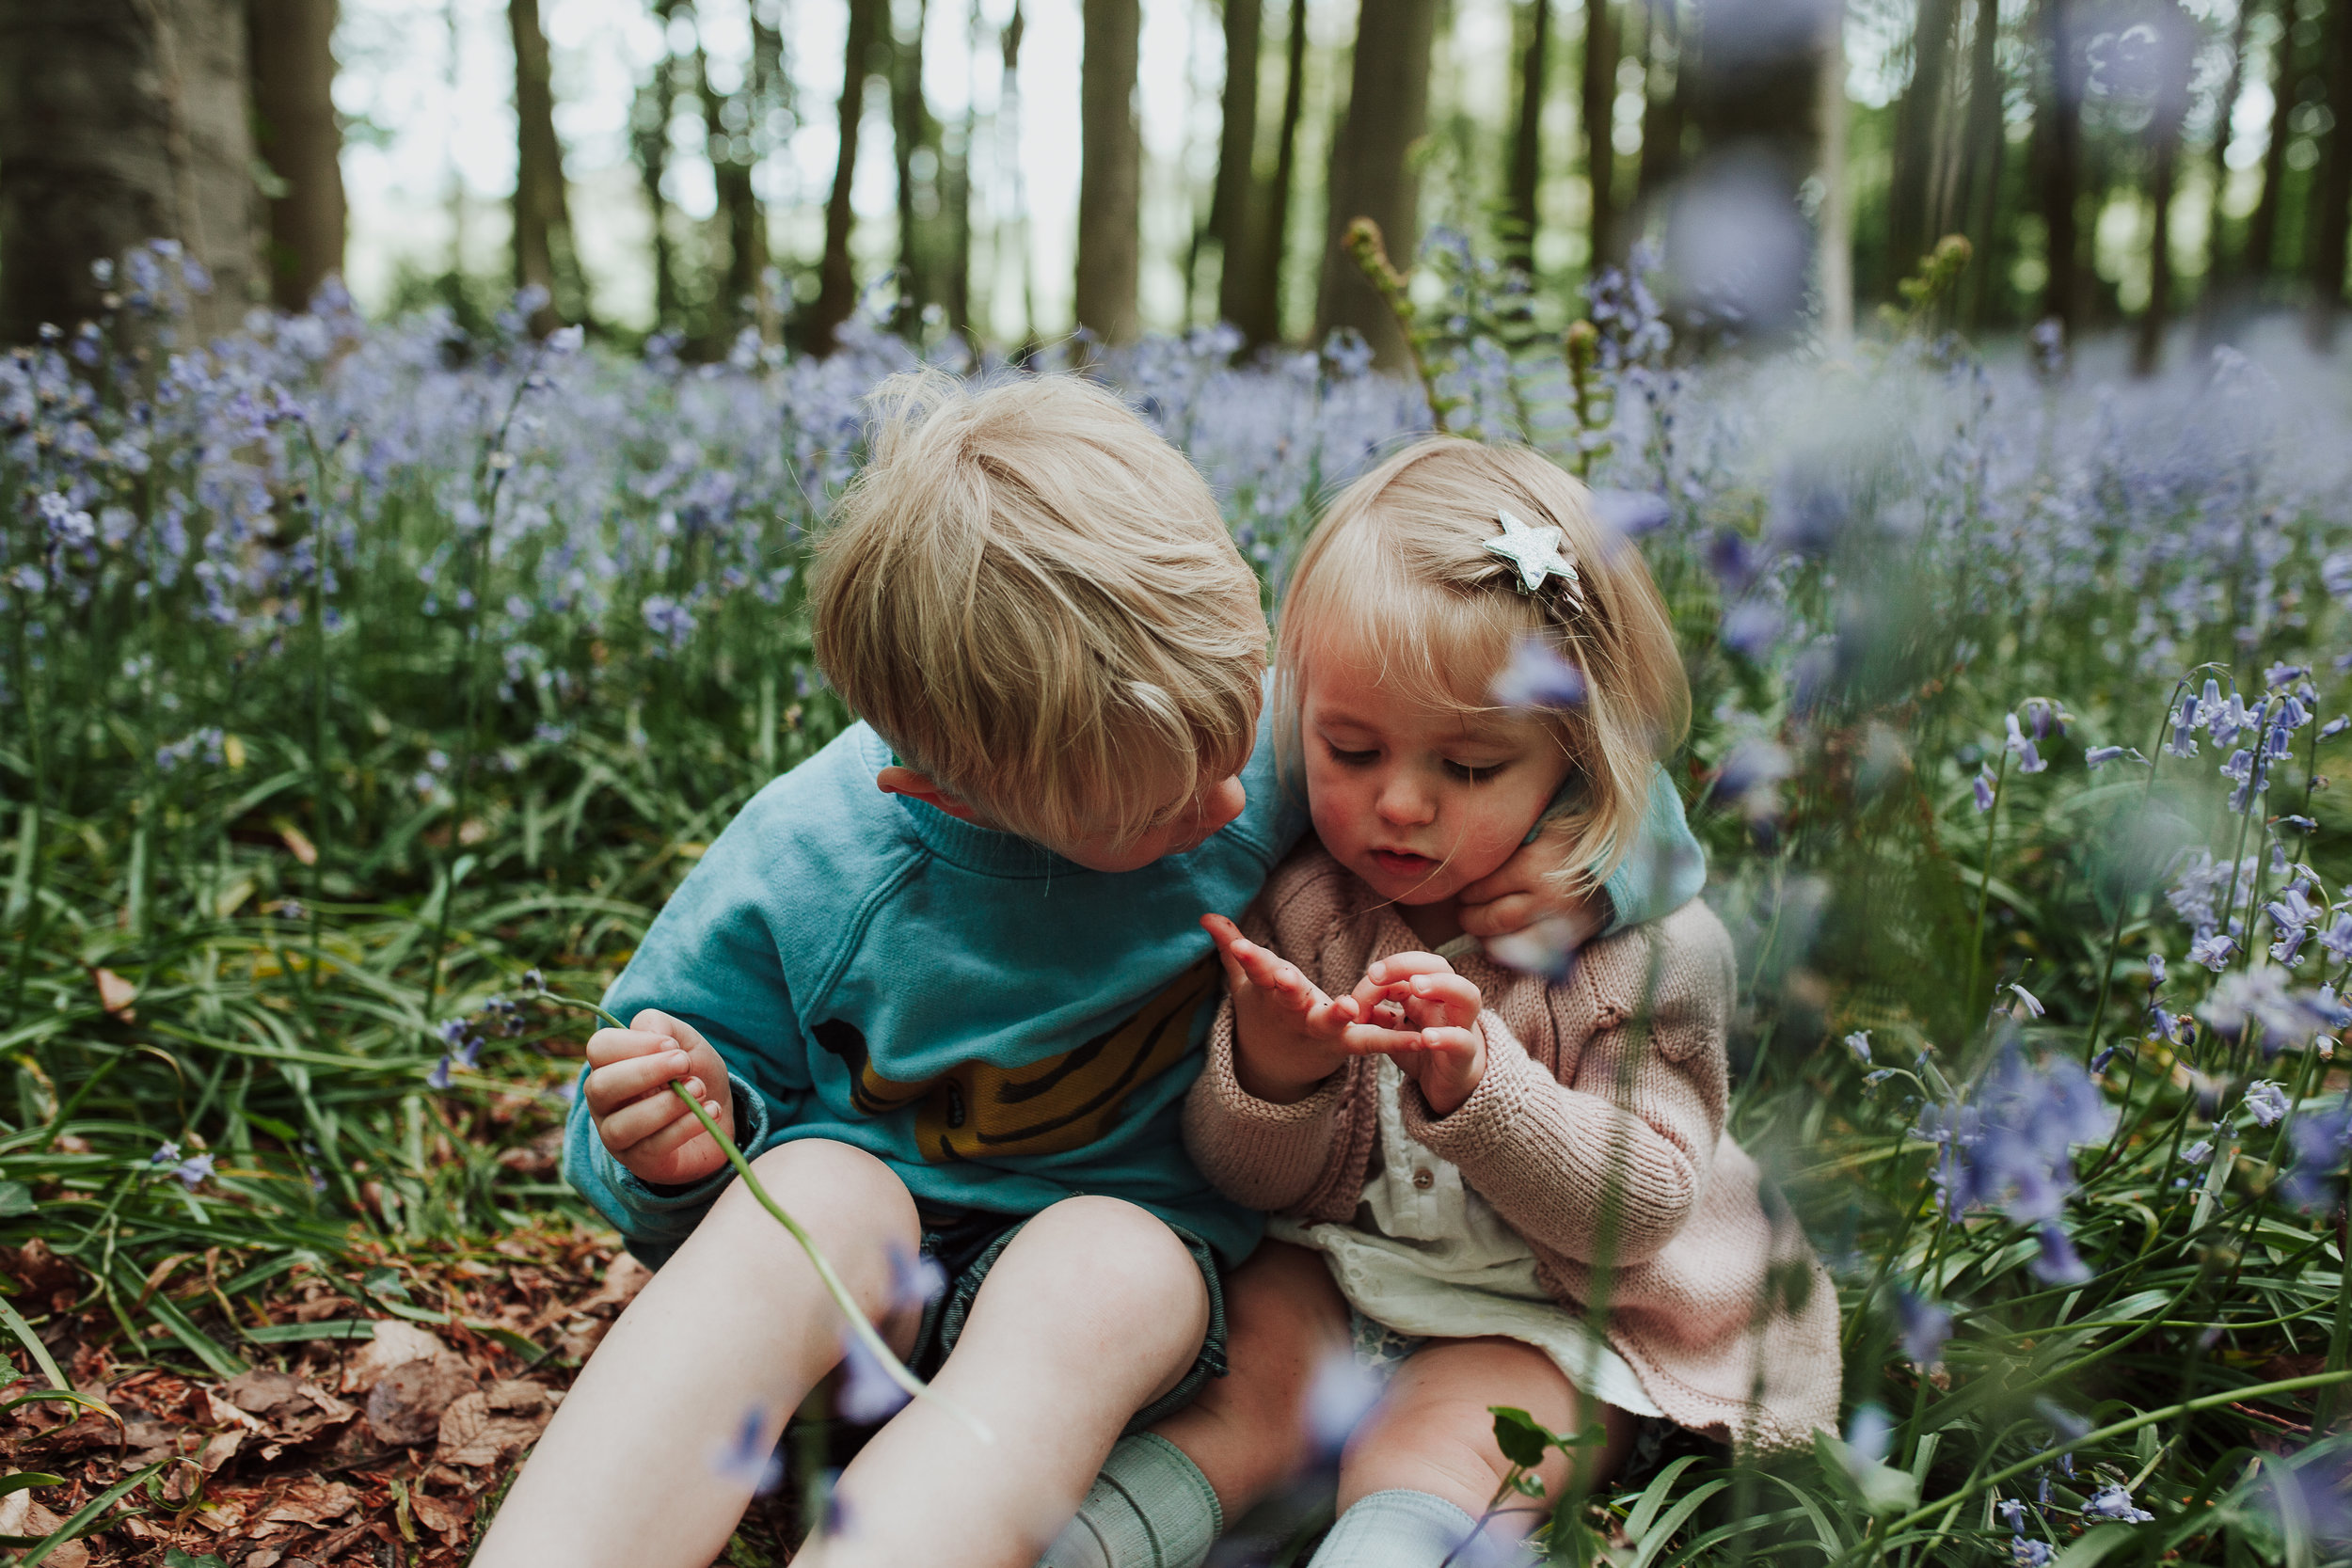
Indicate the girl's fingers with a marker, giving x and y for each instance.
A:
(615, 1085)
(1370, 1039)
(1450, 1042)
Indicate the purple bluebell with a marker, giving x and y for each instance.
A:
(1924, 1326)
(750, 1459)
(2335, 726)
(867, 1395)
(2026, 999)
(2266, 1102)
(2155, 970)
(2198, 1152)
(2247, 997)
(2030, 1554)
(2112, 1501)
(167, 1154)
(1537, 677)
(2022, 747)
(1984, 784)
(438, 1077)
(2011, 1514)
(1751, 628)
(1342, 1394)
(2010, 1144)
(1858, 1046)
(2212, 950)
(2321, 1139)
(916, 1279)
(2099, 1062)
(2058, 1262)
(194, 1171)
(1870, 1432)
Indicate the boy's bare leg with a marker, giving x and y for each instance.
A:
(1092, 1312)
(627, 1474)
(1247, 1431)
(1435, 1431)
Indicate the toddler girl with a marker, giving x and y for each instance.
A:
(1467, 1145)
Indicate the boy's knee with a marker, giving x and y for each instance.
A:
(828, 1186)
(1128, 1265)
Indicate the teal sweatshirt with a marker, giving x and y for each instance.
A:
(1001, 1027)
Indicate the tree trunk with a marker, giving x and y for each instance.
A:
(122, 121)
(1257, 308)
(2261, 234)
(837, 282)
(289, 44)
(957, 164)
(2331, 190)
(1835, 222)
(1752, 85)
(2058, 128)
(544, 258)
(913, 131)
(1234, 211)
(737, 286)
(1388, 111)
(1664, 109)
(1110, 171)
(649, 134)
(1988, 146)
(2177, 48)
(1527, 144)
(1918, 134)
(1597, 99)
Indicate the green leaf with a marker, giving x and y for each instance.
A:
(292, 1334)
(25, 1479)
(86, 1518)
(1520, 1436)
(2093, 1545)
(1655, 1538)
(16, 1200)
(33, 1346)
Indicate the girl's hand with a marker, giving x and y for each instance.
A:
(649, 1131)
(1288, 1036)
(1447, 1053)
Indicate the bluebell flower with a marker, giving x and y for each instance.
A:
(2021, 747)
(2155, 970)
(2064, 1424)
(2283, 675)
(2322, 1137)
(1858, 1046)
(2099, 1062)
(2032, 1003)
(2099, 756)
(1873, 1079)
(167, 1154)
(2058, 1262)
(2112, 1501)
(194, 1171)
(1869, 1433)
(1924, 1326)
(2287, 1018)
(1342, 1394)
(2030, 1554)
(868, 1395)
(2012, 1512)
(1751, 628)
(2198, 1152)
(438, 1077)
(749, 1459)
(1984, 784)
(2267, 1100)
(1537, 677)
(2012, 1145)
(534, 981)
(916, 1279)
(2213, 950)
(2335, 726)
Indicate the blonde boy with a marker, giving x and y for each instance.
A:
(950, 976)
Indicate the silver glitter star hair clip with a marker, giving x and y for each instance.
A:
(1538, 556)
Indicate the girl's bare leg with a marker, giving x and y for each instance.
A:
(628, 1473)
(1433, 1433)
(1247, 1431)
(1092, 1312)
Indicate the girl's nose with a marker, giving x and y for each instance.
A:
(1405, 804)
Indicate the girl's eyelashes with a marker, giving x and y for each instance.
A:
(1351, 759)
(1474, 772)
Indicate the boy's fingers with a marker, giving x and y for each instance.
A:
(673, 1146)
(619, 1045)
(1500, 917)
(615, 1085)
(626, 1129)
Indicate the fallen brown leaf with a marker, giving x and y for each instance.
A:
(21, 1515)
(394, 1343)
(407, 1402)
(475, 1433)
(116, 994)
(313, 1502)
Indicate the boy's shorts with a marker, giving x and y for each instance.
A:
(967, 1245)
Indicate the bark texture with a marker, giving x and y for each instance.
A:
(1987, 147)
(2177, 50)
(728, 122)
(914, 131)
(1371, 173)
(1259, 312)
(836, 282)
(2331, 191)
(544, 257)
(2059, 145)
(1919, 135)
(122, 121)
(1527, 141)
(649, 135)
(1235, 209)
(1110, 171)
(1597, 109)
(289, 44)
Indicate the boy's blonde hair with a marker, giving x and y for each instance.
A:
(1398, 572)
(1035, 600)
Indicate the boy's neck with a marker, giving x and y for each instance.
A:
(1435, 924)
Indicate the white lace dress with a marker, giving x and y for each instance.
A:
(1427, 1257)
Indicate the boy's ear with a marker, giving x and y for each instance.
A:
(898, 780)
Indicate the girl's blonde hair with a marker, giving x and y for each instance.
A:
(1398, 573)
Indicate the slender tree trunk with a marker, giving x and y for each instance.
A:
(1753, 86)
(1234, 208)
(122, 121)
(773, 115)
(1527, 143)
(2219, 270)
(2331, 190)
(1388, 111)
(1988, 146)
(1110, 171)
(1836, 223)
(2057, 125)
(1666, 72)
(544, 258)
(1918, 130)
(729, 145)
(291, 47)
(1257, 309)
(1013, 235)
(913, 131)
(836, 282)
(2178, 48)
(1597, 99)
(957, 165)
(649, 136)
(2262, 234)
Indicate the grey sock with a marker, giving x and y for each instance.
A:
(1151, 1507)
(1399, 1530)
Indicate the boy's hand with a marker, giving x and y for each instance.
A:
(648, 1130)
(1288, 1037)
(1447, 1053)
(1519, 894)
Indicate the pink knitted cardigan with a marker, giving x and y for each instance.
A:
(1717, 1300)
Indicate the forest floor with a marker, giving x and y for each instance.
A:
(389, 1443)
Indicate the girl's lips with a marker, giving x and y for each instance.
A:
(1398, 864)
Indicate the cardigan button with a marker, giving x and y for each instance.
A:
(1425, 1179)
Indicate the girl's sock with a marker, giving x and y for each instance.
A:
(1151, 1507)
(1398, 1530)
